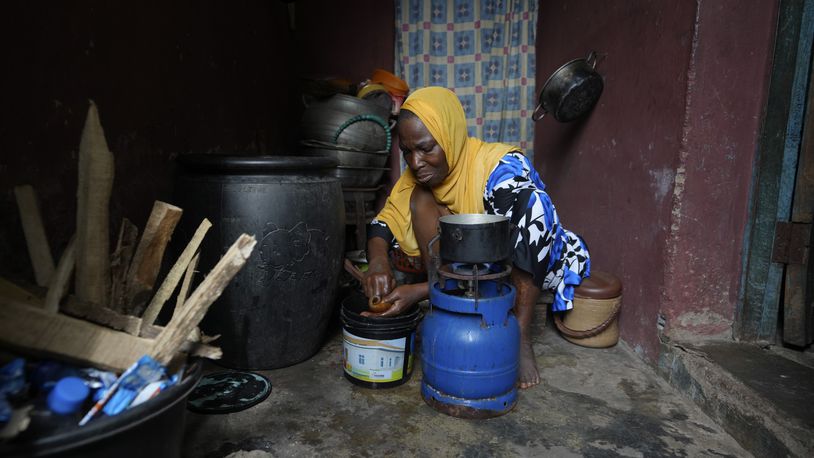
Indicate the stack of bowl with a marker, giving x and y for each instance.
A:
(354, 131)
(357, 168)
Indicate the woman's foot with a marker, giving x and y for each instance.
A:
(528, 375)
(527, 294)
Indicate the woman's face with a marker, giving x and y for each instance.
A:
(421, 152)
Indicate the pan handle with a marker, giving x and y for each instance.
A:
(591, 59)
(354, 271)
(539, 109)
(435, 260)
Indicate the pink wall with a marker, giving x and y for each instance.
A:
(730, 72)
(656, 178)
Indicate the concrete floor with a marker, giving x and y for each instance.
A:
(760, 396)
(592, 402)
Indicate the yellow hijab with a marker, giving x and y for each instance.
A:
(470, 162)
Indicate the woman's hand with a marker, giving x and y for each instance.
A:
(402, 298)
(379, 280)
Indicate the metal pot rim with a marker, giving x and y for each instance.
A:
(318, 144)
(350, 167)
(472, 219)
(558, 71)
(230, 163)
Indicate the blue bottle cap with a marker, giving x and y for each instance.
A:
(68, 395)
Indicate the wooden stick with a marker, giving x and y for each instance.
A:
(92, 212)
(120, 262)
(175, 274)
(354, 271)
(101, 315)
(58, 286)
(146, 263)
(182, 294)
(35, 331)
(202, 350)
(35, 238)
(17, 293)
(204, 295)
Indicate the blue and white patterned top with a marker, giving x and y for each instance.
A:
(556, 257)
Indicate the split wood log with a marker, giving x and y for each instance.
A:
(34, 331)
(120, 263)
(146, 263)
(174, 334)
(92, 212)
(101, 315)
(183, 293)
(35, 239)
(14, 292)
(58, 286)
(197, 344)
(174, 276)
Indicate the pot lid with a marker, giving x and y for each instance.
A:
(228, 392)
(256, 164)
(600, 285)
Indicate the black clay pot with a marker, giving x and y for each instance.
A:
(275, 312)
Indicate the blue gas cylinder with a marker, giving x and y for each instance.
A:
(470, 350)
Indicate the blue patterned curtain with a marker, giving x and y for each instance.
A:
(481, 49)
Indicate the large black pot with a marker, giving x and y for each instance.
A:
(274, 313)
(571, 91)
(474, 238)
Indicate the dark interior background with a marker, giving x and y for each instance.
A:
(656, 178)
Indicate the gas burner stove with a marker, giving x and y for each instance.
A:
(467, 277)
(476, 272)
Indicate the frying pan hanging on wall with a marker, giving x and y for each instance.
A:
(571, 91)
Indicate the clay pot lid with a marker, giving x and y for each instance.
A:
(600, 285)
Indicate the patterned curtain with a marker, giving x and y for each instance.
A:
(481, 49)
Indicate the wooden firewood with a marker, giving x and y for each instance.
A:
(34, 331)
(16, 293)
(21, 314)
(205, 294)
(174, 276)
(146, 263)
(101, 315)
(120, 263)
(61, 279)
(183, 293)
(92, 212)
(35, 239)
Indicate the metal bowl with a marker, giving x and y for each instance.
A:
(358, 177)
(347, 156)
(323, 119)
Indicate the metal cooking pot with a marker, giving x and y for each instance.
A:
(571, 91)
(474, 238)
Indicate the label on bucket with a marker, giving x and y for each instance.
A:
(375, 360)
